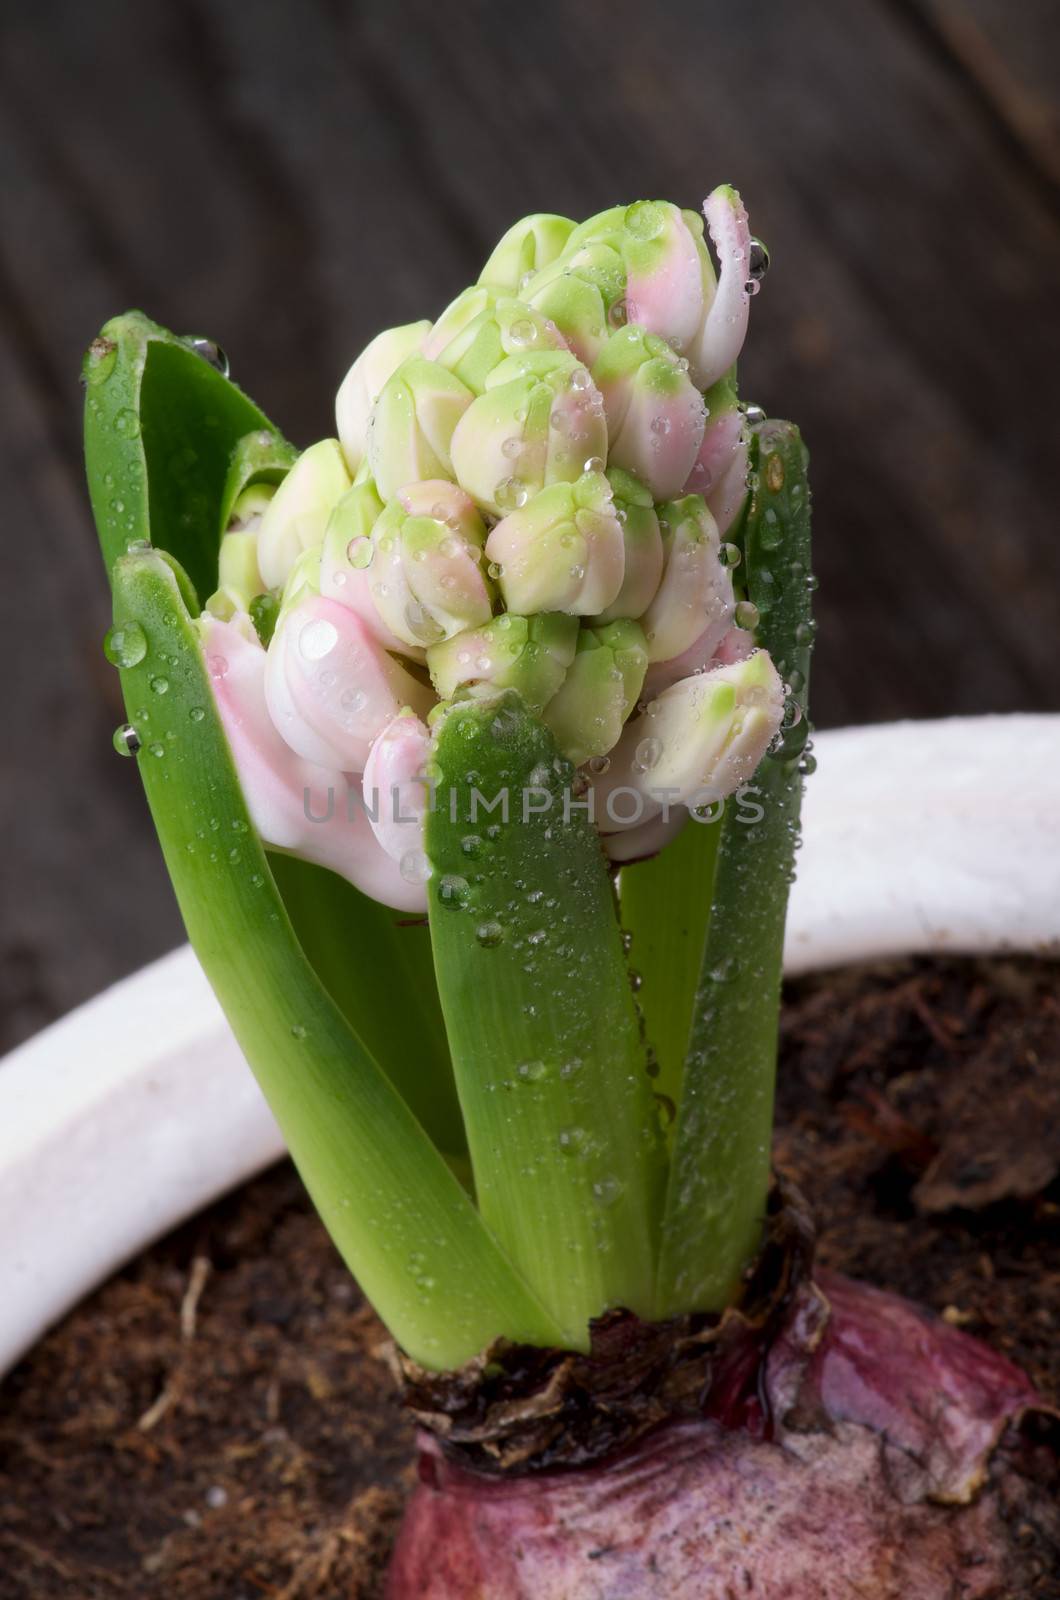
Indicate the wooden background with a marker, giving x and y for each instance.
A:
(289, 177)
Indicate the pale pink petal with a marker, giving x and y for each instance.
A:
(668, 298)
(297, 807)
(720, 338)
(329, 686)
(396, 794)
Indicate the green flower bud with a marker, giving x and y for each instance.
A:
(703, 737)
(581, 293)
(655, 414)
(601, 688)
(502, 328)
(636, 513)
(539, 422)
(412, 423)
(364, 382)
(694, 601)
(530, 654)
(528, 245)
(426, 577)
(297, 514)
(238, 575)
(563, 552)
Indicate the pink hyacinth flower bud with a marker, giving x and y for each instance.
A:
(720, 337)
(655, 414)
(664, 272)
(694, 603)
(296, 806)
(395, 790)
(696, 743)
(643, 567)
(539, 422)
(411, 425)
(564, 551)
(346, 564)
(295, 518)
(719, 472)
(363, 384)
(329, 686)
(426, 577)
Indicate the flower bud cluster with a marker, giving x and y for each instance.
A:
(529, 494)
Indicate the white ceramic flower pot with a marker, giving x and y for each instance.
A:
(137, 1109)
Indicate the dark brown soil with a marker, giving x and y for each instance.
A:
(214, 1424)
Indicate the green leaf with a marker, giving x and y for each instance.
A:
(170, 444)
(665, 908)
(403, 1223)
(161, 428)
(546, 1045)
(259, 457)
(719, 1175)
(366, 955)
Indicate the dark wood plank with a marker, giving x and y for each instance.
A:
(290, 179)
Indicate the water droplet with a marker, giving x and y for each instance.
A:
(495, 571)
(579, 379)
(352, 700)
(598, 765)
(618, 314)
(660, 426)
(454, 892)
(359, 551)
(647, 754)
(414, 867)
(471, 845)
(211, 352)
(594, 464)
(729, 555)
(608, 1191)
(125, 645)
(489, 934)
(317, 639)
(157, 750)
(775, 472)
(126, 740)
(754, 414)
(511, 493)
(216, 666)
(197, 713)
(808, 763)
(159, 685)
(127, 423)
(523, 332)
(758, 261)
(746, 615)
(572, 1141)
(644, 219)
(805, 632)
(531, 1071)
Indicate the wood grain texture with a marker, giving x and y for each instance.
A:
(289, 179)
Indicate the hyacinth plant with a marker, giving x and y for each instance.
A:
(474, 738)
